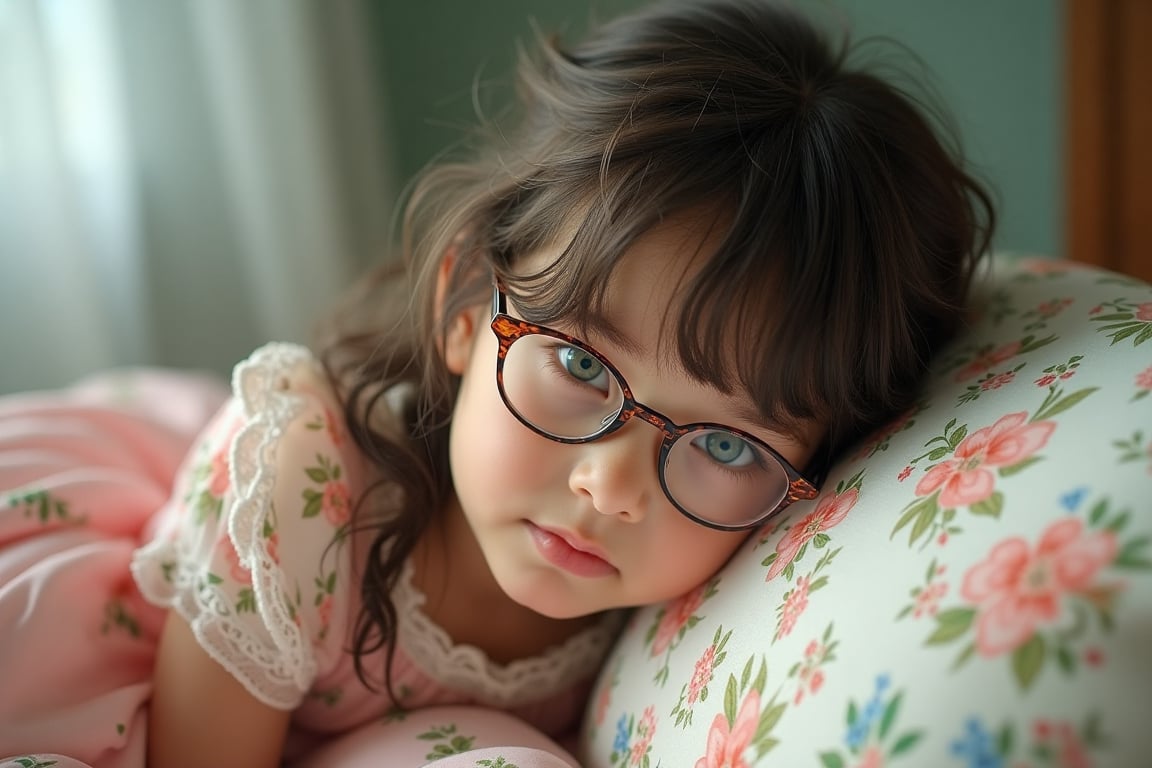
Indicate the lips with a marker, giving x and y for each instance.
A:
(568, 553)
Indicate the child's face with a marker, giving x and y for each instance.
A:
(533, 504)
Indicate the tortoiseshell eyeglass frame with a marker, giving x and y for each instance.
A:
(508, 329)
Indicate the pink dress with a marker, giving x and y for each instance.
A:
(107, 520)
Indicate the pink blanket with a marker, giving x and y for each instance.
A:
(82, 471)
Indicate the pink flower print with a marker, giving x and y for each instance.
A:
(1050, 309)
(729, 748)
(1016, 589)
(1093, 656)
(1144, 312)
(1144, 378)
(873, 757)
(273, 547)
(966, 479)
(928, 600)
(1044, 266)
(988, 359)
(335, 433)
(645, 730)
(337, 503)
(236, 569)
(675, 617)
(904, 473)
(794, 605)
(811, 678)
(1045, 380)
(324, 611)
(218, 475)
(997, 381)
(1096, 309)
(1073, 754)
(942, 539)
(702, 674)
(602, 702)
(829, 513)
(1061, 741)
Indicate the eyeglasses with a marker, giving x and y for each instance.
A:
(563, 389)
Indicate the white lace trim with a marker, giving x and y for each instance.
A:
(278, 675)
(467, 669)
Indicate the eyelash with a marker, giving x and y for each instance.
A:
(553, 364)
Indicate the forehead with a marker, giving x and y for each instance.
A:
(641, 308)
(636, 327)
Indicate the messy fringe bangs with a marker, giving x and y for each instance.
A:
(851, 229)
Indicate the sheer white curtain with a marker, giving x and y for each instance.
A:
(180, 181)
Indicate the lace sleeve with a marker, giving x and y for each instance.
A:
(248, 547)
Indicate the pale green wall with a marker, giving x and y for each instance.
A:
(996, 64)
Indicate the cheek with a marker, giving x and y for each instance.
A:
(491, 451)
(686, 555)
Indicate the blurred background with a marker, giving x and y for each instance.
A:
(181, 181)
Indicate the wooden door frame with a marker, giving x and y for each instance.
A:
(1108, 147)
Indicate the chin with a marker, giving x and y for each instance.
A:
(537, 594)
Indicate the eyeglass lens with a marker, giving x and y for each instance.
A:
(566, 391)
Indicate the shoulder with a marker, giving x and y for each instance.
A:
(251, 551)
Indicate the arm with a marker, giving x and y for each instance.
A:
(202, 715)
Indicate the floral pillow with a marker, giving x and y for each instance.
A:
(972, 588)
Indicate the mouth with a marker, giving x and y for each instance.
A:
(567, 552)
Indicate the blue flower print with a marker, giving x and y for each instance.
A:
(858, 731)
(1071, 500)
(621, 743)
(976, 747)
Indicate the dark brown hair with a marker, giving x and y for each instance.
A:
(851, 231)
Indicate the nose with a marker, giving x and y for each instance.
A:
(618, 474)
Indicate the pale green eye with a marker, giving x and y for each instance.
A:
(726, 448)
(580, 364)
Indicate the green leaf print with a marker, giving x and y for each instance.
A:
(730, 699)
(1054, 404)
(31, 761)
(451, 743)
(831, 760)
(989, 507)
(246, 601)
(952, 624)
(1028, 660)
(905, 743)
(923, 512)
(1132, 556)
(498, 762)
(313, 500)
(44, 507)
(1019, 466)
(889, 716)
(116, 615)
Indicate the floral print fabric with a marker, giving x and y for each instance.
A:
(972, 588)
(250, 549)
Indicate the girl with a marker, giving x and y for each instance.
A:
(709, 256)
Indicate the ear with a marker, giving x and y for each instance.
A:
(456, 345)
(459, 339)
